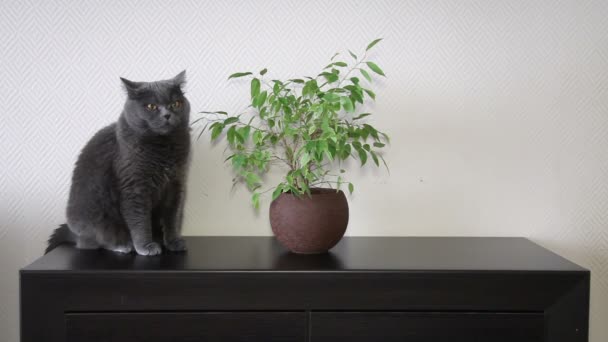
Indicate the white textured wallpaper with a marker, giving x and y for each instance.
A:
(498, 112)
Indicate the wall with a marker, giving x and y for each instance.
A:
(498, 112)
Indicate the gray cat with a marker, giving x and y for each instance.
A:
(128, 183)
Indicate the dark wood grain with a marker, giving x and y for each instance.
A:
(426, 326)
(186, 327)
(236, 274)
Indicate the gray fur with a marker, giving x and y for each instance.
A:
(128, 186)
(61, 235)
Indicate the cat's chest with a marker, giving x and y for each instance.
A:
(166, 162)
(162, 164)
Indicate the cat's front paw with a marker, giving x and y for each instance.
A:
(151, 248)
(176, 245)
(122, 249)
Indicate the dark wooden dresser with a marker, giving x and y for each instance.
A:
(383, 289)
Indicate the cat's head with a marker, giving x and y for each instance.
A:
(157, 107)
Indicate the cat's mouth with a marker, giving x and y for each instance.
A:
(172, 122)
(164, 128)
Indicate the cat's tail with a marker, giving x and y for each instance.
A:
(61, 235)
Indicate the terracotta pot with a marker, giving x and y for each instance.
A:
(309, 224)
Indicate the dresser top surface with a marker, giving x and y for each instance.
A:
(352, 254)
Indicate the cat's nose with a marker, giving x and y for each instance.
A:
(167, 116)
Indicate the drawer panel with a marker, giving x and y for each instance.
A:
(426, 327)
(186, 327)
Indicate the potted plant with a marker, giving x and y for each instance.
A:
(308, 125)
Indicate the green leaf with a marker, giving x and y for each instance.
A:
(304, 159)
(263, 113)
(375, 158)
(216, 131)
(239, 74)
(244, 133)
(385, 165)
(351, 188)
(277, 192)
(255, 200)
(218, 112)
(362, 156)
(322, 147)
(255, 87)
(378, 144)
(371, 45)
(334, 56)
(312, 129)
(290, 131)
(263, 71)
(330, 152)
(370, 93)
(259, 100)
(305, 188)
(257, 137)
(230, 134)
(297, 80)
(329, 76)
(310, 88)
(361, 116)
(238, 161)
(331, 97)
(372, 131)
(345, 152)
(347, 104)
(340, 64)
(231, 120)
(253, 180)
(364, 132)
(375, 68)
(386, 137)
(202, 131)
(352, 54)
(356, 96)
(366, 75)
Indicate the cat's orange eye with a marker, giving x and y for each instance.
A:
(177, 104)
(151, 106)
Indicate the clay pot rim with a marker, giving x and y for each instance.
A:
(318, 192)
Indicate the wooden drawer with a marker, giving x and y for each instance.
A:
(426, 327)
(380, 289)
(186, 327)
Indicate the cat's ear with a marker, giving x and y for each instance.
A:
(132, 88)
(179, 79)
